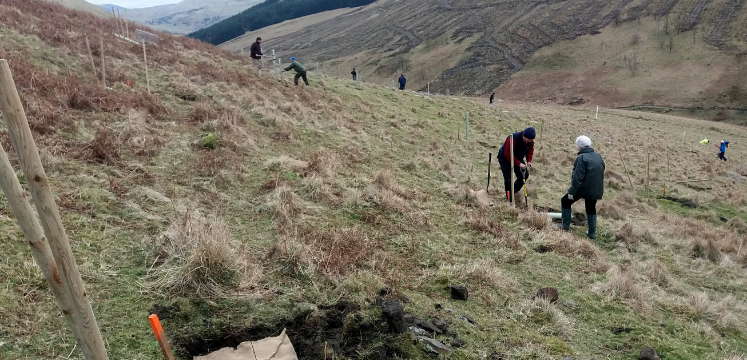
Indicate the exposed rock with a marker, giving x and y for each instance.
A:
(428, 326)
(442, 325)
(393, 313)
(417, 331)
(434, 345)
(457, 343)
(548, 293)
(459, 292)
(649, 354)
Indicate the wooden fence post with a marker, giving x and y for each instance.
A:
(648, 161)
(116, 20)
(120, 23)
(93, 64)
(84, 322)
(103, 63)
(127, 26)
(145, 61)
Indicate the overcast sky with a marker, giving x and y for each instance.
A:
(132, 4)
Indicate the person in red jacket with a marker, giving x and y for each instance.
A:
(523, 147)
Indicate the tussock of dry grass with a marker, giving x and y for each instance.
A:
(199, 258)
(611, 211)
(706, 249)
(567, 244)
(286, 162)
(558, 324)
(737, 224)
(657, 272)
(620, 284)
(631, 236)
(534, 220)
(715, 313)
(282, 203)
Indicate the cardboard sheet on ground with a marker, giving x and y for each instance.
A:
(272, 348)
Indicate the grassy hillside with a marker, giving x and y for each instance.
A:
(313, 199)
(495, 39)
(633, 64)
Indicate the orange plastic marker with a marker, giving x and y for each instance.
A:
(161, 337)
(128, 82)
(665, 191)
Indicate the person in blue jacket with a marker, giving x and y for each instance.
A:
(722, 149)
(402, 82)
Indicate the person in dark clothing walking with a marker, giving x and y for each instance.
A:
(722, 149)
(523, 147)
(256, 55)
(355, 74)
(587, 184)
(402, 82)
(300, 71)
(492, 96)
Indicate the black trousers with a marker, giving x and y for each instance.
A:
(591, 205)
(518, 184)
(721, 156)
(301, 75)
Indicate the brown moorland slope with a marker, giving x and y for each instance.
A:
(235, 206)
(473, 47)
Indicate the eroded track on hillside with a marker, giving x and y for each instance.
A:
(509, 31)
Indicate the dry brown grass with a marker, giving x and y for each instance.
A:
(611, 211)
(631, 235)
(620, 284)
(737, 224)
(283, 203)
(567, 244)
(706, 249)
(657, 272)
(198, 257)
(334, 252)
(715, 313)
(534, 220)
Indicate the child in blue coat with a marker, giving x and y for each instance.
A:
(722, 149)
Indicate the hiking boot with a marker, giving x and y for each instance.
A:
(592, 233)
(566, 215)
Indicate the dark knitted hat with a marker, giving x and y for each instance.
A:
(529, 132)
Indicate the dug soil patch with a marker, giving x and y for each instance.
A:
(339, 326)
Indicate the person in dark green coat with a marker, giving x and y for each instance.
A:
(300, 71)
(587, 184)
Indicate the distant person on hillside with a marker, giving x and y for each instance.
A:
(587, 184)
(492, 96)
(355, 74)
(722, 149)
(256, 55)
(300, 71)
(704, 142)
(402, 82)
(523, 147)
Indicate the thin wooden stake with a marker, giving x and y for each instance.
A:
(127, 26)
(120, 22)
(690, 181)
(669, 172)
(119, 31)
(93, 64)
(648, 162)
(155, 324)
(84, 322)
(145, 62)
(626, 171)
(103, 63)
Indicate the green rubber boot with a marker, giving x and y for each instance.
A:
(566, 213)
(592, 219)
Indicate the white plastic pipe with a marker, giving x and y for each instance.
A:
(555, 215)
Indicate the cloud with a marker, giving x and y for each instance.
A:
(134, 4)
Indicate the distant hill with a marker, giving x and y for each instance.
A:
(269, 13)
(81, 5)
(473, 47)
(188, 15)
(109, 7)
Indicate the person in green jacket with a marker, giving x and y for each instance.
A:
(587, 184)
(300, 71)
